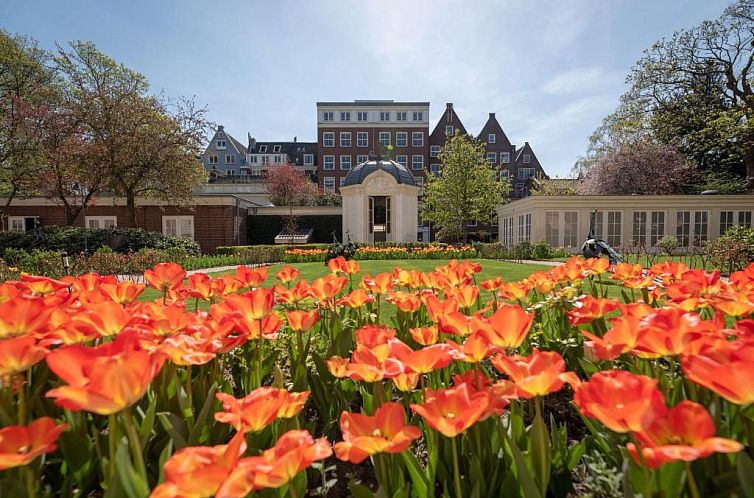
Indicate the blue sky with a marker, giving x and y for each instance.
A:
(549, 69)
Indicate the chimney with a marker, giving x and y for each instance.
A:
(448, 111)
(295, 139)
(220, 127)
(449, 105)
(492, 115)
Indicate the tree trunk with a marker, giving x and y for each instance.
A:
(8, 200)
(131, 209)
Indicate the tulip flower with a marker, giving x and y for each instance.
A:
(590, 308)
(105, 319)
(668, 331)
(621, 338)
(538, 374)
(165, 276)
(199, 471)
(287, 274)
(294, 452)
(384, 432)
(509, 326)
(451, 411)
(622, 401)
(124, 292)
(726, 369)
(103, 379)
(260, 408)
(365, 366)
(356, 299)
(23, 315)
(21, 445)
(474, 349)
(422, 361)
(466, 295)
(295, 294)
(19, 354)
(326, 288)
(253, 305)
(685, 432)
(41, 286)
(251, 277)
(302, 321)
(404, 301)
(382, 283)
(437, 309)
(425, 336)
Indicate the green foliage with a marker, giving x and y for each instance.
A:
(732, 251)
(464, 191)
(668, 243)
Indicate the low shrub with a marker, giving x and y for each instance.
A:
(733, 251)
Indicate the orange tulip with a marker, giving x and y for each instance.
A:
(590, 308)
(451, 411)
(252, 305)
(165, 276)
(105, 319)
(260, 408)
(382, 283)
(251, 277)
(685, 432)
(23, 315)
(426, 336)
(295, 294)
(302, 321)
(492, 284)
(621, 338)
(437, 309)
(185, 349)
(103, 379)
(538, 374)
(41, 286)
(124, 292)
(365, 366)
(404, 301)
(406, 382)
(19, 354)
(622, 401)
(164, 321)
(514, 291)
(668, 331)
(295, 451)
(726, 369)
(326, 288)
(350, 267)
(21, 445)
(335, 265)
(509, 326)
(199, 471)
(287, 274)
(384, 432)
(466, 295)
(356, 299)
(202, 286)
(425, 360)
(8, 292)
(474, 349)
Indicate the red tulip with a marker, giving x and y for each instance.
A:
(21, 445)
(165, 276)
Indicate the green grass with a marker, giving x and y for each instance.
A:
(309, 271)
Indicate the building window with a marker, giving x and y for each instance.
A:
(262, 149)
(434, 150)
(527, 158)
(503, 175)
(178, 226)
(345, 138)
(434, 169)
(401, 139)
(278, 159)
(253, 158)
(505, 157)
(639, 228)
(361, 159)
(230, 172)
(345, 116)
(265, 159)
(213, 159)
(256, 172)
(21, 223)
(400, 116)
(276, 148)
(402, 159)
(385, 138)
(614, 228)
(524, 227)
(328, 116)
(328, 163)
(449, 130)
(329, 184)
(222, 144)
(384, 115)
(418, 116)
(308, 159)
(230, 159)
(491, 138)
(525, 173)
(362, 116)
(744, 218)
(656, 227)
(492, 157)
(417, 163)
(570, 228)
(362, 139)
(417, 139)
(96, 222)
(701, 225)
(726, 221)
(552, 228)
(345, 162)
(507, 235)
(328, 139)
(683, 227)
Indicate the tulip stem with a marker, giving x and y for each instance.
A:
(112, 437)
(693, 488)
(22, 400)
(135, 443)
(29, 479)
(456, 472)
(292, 489)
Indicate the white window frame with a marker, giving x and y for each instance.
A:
(276, 148)
(328, 159)
(505, 158)
(527, 173)
(449, 130)
(401, 116)
(21, 221)
(345, 163)
(345, 138)
(384, 116)
(417, 138)
(178, 228)
(552, 228)
(402, 159)
(262, 149)
(434, 150)
(613, 237)
(329, 189)
(401, 136)
(362, 116)
(328, 116)
(418, 116)
(230, 159)
(345, 116)
(102, 221)
(492, 157)
(383, 135)
(491, 138)
(417, 162)
(328, 139)
(308, 159)
(362, 158)
(435, 169)
(362, 139)
(212, 159)
(527, 158)
(221, 144)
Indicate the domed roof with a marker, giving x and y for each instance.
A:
(358, 174)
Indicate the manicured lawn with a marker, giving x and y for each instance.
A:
(309, 271)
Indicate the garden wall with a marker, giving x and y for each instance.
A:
(263, 224)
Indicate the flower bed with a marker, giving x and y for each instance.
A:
(385, 252)
(488, 388)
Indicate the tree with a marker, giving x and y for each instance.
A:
(149, 146)
(464, 191)
(693, 91)
(290, 187)
(24, 92)
(638, 168)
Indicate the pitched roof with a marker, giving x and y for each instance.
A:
(294, 150)
(449, 117)
(493, 126)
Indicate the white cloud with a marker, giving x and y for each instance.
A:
(583, 80)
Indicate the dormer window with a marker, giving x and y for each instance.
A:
(527, 158)
(222, 144)
(491, 138)
(449, 130)
(262, 149)
(275, 148)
